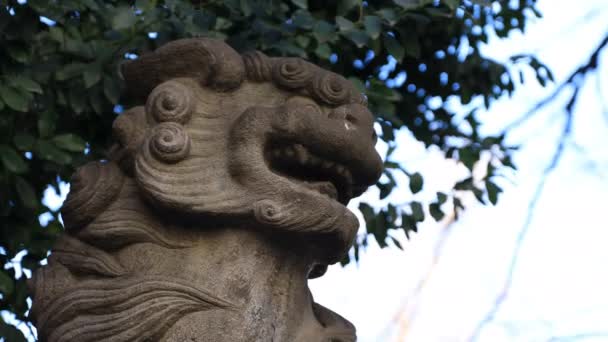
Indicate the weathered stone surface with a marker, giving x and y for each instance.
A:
(225, 192)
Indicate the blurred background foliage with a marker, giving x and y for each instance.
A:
(60, 90)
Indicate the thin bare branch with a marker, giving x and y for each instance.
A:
(600, 94)
(573, 80)
(559, 151)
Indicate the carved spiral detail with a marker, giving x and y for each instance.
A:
(171, 102)
(93, 188)
(268, 212)
(257, 66)
(330, 88)
(292, 73)
(169, 142)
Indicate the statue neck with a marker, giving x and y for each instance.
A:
(265, 277)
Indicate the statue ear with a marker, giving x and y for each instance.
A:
(128, 131)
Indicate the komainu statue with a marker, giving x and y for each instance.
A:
(225, 191)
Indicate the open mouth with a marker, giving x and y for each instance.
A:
(312, 171)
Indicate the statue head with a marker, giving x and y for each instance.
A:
(233, 138)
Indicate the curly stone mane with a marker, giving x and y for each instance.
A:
(224, 150)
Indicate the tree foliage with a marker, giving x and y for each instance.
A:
(60, 89)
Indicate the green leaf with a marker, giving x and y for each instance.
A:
(436, 212)
(302, 40)
(46, 124)
(78, 99)
(412, 46)
(344, 24)
(124, 17)
(441, 198)
(493, 191)
(323, 51)
(468, 156)
(389, 15)
(111, 90)
(358, 37)
(245, 7)
(324, 31)
(14, 99)
(23, 141)
(453, 4)
(10, 332)
(358, 84)
(56, 33)
(12, 160)
(385, 190)
(19, 54)
(6, 284)
(373, 25)
(26, 193)
(69, 71)
(303, 19)
(91, 76)
(417, 211)
(396, 242)
(69, 142)
(416, 182)
(393, 47)
(303, 4)
(412, 4)
(46, 150)
(344, 6)
(409, 224)
(25, 84)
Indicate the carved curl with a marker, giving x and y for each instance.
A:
(257, 66)
(292, 73)
(92, 188)
(268, 212)
(330, 88)
(171, 102)
(169, 142)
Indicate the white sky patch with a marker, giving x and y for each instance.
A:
(559, 284)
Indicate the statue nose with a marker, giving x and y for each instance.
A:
(355, 116)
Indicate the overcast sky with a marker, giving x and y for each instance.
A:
(559, 283)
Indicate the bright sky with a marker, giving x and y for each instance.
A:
(560, 280)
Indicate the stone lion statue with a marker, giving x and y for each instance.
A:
(225, 191)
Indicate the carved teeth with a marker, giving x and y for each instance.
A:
(332, 172)
(314, 160)
(289, 152)
(301, 153)
(327, 164)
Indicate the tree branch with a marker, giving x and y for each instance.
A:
(500, 299)
(573, 80)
